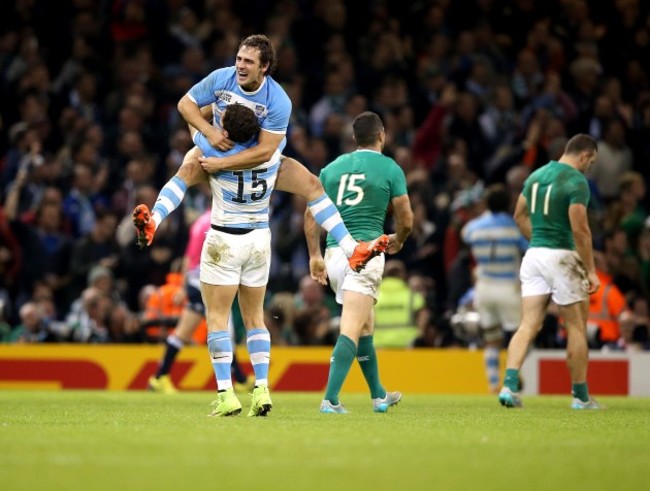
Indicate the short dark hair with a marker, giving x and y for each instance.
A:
(581, 143)
(240, 122)
(265, 47)
(497, 198)
(366, 128)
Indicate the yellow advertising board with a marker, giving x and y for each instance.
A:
(127, 367)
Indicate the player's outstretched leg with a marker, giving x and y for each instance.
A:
(365, 251)
(168, 200)
(189, 174)
(295, 178)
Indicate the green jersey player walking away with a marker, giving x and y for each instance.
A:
(552, 213)
(363, 183)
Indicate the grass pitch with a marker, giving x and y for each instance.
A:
(122, 441)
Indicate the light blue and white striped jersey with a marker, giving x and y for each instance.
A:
(241, 198)
(269, 102)
(497, 245)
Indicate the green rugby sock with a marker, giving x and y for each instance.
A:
(342, 358)
(511, 379)
(581, 391)
(367, 358)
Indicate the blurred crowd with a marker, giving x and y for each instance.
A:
(471, 92)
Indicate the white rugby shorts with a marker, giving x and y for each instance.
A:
(229, 259)
(498, 302)
(341, 277)
(556, 271)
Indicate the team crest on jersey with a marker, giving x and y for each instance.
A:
(259, 110)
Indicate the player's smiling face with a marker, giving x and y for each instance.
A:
(250, 72)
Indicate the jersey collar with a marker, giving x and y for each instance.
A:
(254, 91)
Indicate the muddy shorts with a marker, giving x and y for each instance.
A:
(229, 259)
(556, 271)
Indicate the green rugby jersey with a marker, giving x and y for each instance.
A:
(361, 184)
(549, 191)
